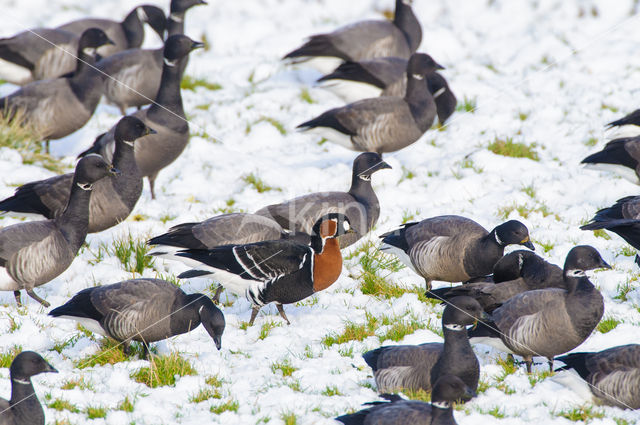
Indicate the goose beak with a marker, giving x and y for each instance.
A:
(217, 339)
(439, 67)
(197, 45)
(384, 165)
(114, 171)
(475, 325)
(50, 368)
(469, 393)
(110, 41)
(527, 242)
(150, 131)
(604, 264)
(202, 2)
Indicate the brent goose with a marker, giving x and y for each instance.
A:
(383, 124)
(417, 367)
(452, 248)
(56, 108)
(612, 375)
(552, 321)
(24, 408)
(620, 156)
(280, 271)
(112, 199)
(144, 310)
(398, 411)
(166, 116)
(355, 81)
(33, 253)
(363, 40)
(359, 204)
(627, 126)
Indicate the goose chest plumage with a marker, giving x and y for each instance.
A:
(360, 204)
(24, 408)
(112, 199)
(279, 271)
(34, 253)
(552, 321)
(363, 40)
(383, 124)
(166, 116)
(144, 310)
(452, 248)
(56, 108)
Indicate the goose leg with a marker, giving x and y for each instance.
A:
(254, 312)
(126, 348)
(281, 311)
(528, 361)
(17, 295)
(637, 259)
(37, 298)
(152, 181)
(123, 109)
(428, 283)
(216, 297)
(46, 146)
(145, 350)
(551, 364)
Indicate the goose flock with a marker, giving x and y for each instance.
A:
(526, 315)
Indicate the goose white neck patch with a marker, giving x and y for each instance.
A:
(170, 62)
(89, 51)
(85, 186)
(175, 17)
(142, 15)
(417, 76)
(498, 240)
(576, 273)
(441, 404)
(20, 381)
(439, 93)
(453, 327)
(365, 177)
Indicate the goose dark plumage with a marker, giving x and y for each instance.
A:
(33, 253)
(627, 126)
(144, 310)
(166, 116)
(24, 408)
(383, 124)
(112, 199)
(417, 367)
(280, 271)
(452, 248)
(56, 108)
(364, 40)
(613, 375)
(359, 204)
(355, 81)
(552, 321)
(620, 156)
(622, 218)
(398, 411)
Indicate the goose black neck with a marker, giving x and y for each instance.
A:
(454, 338)
(441, 416)
(420, 101)
(407, 22)
(124, 159)
(175, 23)
(85, 78)
(74, 220)
(168, 103)
(133, 29)
(317, 244)
(361, 188)
(25, 406)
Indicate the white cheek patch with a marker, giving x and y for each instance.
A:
(417, 76)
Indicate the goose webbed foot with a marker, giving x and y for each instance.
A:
(17, 295)
(281, 311)
(254, 313)
(37, 298)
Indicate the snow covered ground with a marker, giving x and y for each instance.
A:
(548, 73)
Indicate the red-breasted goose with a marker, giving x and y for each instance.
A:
(417, 367)
(354, 81)
(612, 375)
(144, 310)
(33, 253)
(363, 40)
(166, 116)
(112, 199)
(398, 411)
(383, 124)
(359, 204)
(24, 408)
(281, 271)
(56, 108)
(452, 248)
(552, 321)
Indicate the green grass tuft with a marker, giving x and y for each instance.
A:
(285, 367)
(582, 413)
(191, 83)
(60, 404)
(205, 394)
(126, 405)
(96, 412)
(305, 96)
(163, 370)
(258, 184)
(507, 147)
(289, 418)
(607, 325)
(266, 327)
(110, 352)
(467, 105)
(227, 406)
(132, 253)
(331, 390)
(6, 357)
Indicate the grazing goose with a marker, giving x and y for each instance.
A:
(278, 271)
(452, 248)
(398, 411)
(144, 310)
(355, 81)
(417, 367)
(622, 218)
(136, 73)
(32, 254)
(627, 126)
(612, 375)
(552, 321)
(56, 108)
(127, 34)
(24, 407)
(359, 204)
(534, 273)
(363, 40)
(383, 124)
(165, 115)
(113, 198)
(45, 53)
(620, 156)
